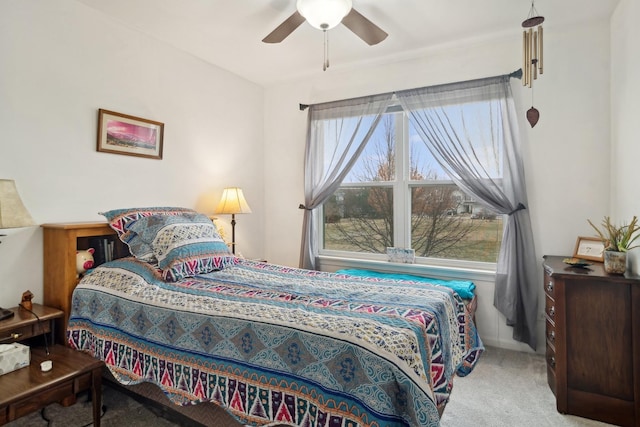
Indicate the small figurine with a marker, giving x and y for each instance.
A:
(26, 300)
(84, 261)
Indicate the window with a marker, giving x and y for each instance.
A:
(397, 195)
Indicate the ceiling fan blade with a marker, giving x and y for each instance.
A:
(363, 28)
(283, 30)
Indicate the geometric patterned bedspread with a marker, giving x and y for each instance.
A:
(271, 343)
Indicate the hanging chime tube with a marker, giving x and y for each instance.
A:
(529, 57)
(540, 47)
(524, 58)
(534, 60)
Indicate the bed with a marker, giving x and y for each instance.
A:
(272, 345)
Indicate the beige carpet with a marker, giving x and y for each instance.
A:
(506, 388)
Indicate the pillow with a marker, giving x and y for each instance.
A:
(120, 220)
(184, 245)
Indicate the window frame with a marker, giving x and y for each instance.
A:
(401, 189)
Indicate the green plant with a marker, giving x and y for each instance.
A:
(616, 238)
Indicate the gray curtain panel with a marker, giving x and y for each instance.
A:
(334, 142)
(471, 129)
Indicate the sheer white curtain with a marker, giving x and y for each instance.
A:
(337, 132)
(472, 131)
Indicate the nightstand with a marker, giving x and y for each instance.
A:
(24, 325)
(28, 389)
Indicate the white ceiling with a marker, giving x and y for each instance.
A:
(228, 33)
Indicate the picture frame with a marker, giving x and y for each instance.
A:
(129, 135)
(589, 248)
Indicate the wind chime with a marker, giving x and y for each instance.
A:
(532, 56)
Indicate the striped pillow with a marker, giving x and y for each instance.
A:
(121, 220)
(184, 245)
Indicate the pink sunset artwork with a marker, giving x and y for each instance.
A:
(130, 135)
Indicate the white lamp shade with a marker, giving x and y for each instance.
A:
(13, 214)
(323, 14)
(233, 202)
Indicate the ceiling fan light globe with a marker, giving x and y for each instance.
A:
(324, 14)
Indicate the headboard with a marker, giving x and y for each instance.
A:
(60, 243)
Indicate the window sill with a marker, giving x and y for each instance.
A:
(331, 263)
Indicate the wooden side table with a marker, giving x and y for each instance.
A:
(28, 389)
(25, 325)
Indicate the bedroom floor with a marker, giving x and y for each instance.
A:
(507, 388)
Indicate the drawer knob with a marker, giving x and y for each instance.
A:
(550, 286)
(551, 336)
(552, 362)
(11, 336)
(552, 311)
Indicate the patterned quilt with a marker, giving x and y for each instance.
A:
(270, 343)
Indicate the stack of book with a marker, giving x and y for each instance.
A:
(106, 249)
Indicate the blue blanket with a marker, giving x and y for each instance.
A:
(464, 288)
(280, 345)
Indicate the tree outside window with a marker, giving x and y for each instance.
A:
(396, 195)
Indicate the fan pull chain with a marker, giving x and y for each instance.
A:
(325, 65)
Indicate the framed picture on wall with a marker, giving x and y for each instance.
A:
(133, 136)
(589, 248)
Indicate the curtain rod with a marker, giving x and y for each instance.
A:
(517, 74)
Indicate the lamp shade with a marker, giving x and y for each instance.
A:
(233, 202)
(13, 213)
(324, 14)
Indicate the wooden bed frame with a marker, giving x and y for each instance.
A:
(60, 243)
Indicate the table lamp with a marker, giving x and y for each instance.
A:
(233, 202)
(13, 214)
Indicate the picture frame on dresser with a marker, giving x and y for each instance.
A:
(589, 248)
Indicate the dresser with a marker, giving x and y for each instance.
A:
(593, 341)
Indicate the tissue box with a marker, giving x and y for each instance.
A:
(13, 356)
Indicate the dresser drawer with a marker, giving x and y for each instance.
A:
(551, 368)
(550, 309)
(551, 333)
(53, 394)
(549, 286)
(20, 333)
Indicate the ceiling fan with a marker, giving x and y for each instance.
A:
(324, 15)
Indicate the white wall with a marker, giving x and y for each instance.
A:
(625, 110)
(59, 62)
(566, 154)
